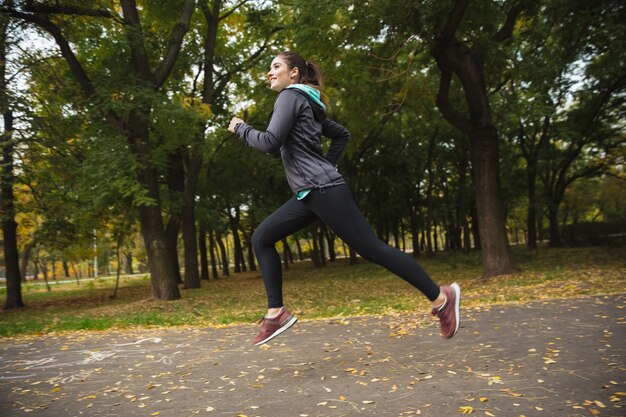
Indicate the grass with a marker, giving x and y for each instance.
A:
(339, 290)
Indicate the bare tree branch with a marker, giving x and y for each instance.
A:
(231, 11)
(506, 31)
(66, 10)
(447, 30)
(175, 43)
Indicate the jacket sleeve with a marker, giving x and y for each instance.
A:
(339, 136)
(281, 122)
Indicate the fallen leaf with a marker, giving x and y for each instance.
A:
(489, 414)
(466, 409)
(483, 400)
(368, 402)
(599, 404)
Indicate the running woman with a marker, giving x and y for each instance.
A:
(297, 124)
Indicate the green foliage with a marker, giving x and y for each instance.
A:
(562, 68)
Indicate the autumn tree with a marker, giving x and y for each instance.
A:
(7, 177)
(146, 73)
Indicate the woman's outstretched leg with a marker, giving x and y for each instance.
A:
(336, 207)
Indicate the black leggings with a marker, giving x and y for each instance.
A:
(335, 207)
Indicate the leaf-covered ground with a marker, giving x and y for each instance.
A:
(339, 290)
(555, 358)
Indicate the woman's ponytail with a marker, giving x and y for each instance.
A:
(310, 73)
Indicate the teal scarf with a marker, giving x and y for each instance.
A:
(311, 92)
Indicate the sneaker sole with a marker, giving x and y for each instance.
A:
(457, 303)
(285, 326)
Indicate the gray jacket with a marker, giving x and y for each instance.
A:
(296, 127)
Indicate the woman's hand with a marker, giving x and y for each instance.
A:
(233, 123)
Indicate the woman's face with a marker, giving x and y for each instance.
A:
(280, 76)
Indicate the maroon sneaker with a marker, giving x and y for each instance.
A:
(270, 328)
(448, 312)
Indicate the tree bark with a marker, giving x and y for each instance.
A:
(453, 57)
(7, 203)
(204, 261)
(176, 187)
(25, 258)
(7, 180)
(429, 195)
(193, 162)
(212, 250)
(223, 254)
(251, 261)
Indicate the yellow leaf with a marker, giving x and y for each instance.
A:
(156, 413)
(56, 389)
(466, 409)
(599, 404)
(489, 414)
(484, 400)
(342, 398)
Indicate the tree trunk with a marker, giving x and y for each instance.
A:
(7, 180)
(176, 188)
(212, 250)
(429, 194)
(66, 269)
(299, 249)
(223, 255)
(7, 210)
(129, 263)
(315, 252)
(553, 218)
(531, 219)
(193, 162)
(330, 239)
(454, 57)
(204, 261)
(25, 258)
(251, 261)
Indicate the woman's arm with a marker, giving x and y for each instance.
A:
(283, 118)
(339, 136)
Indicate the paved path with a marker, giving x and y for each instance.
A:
(556, 358)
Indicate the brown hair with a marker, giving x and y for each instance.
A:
(309, 72)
